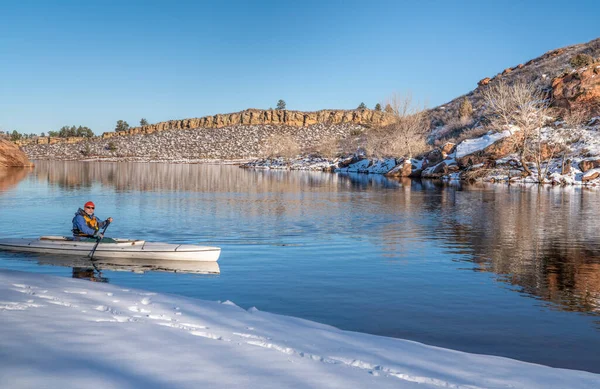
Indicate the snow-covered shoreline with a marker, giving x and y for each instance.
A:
(69, 333)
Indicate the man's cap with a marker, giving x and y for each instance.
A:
(89, 204)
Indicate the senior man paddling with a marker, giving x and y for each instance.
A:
(86, 225)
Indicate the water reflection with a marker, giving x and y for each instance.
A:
(10, 177)
(88, 273)
(83, 267)
(544, 241)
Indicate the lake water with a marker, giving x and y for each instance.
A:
(511, 271)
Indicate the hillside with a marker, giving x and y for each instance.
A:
(548, 71)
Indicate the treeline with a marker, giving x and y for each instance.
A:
(16, 135)
(66, 131)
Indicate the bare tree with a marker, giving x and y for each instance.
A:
(522, 109)
(405, 136)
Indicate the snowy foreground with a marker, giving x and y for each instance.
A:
(70, 333)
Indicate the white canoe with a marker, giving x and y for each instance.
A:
(124, 248)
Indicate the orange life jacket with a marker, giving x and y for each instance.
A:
(91, 222)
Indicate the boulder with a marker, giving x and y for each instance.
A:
(589, 164)
(579, 90)
(485, 81)
(448, 148)
(12, 156)
(493, 152)
(434, 157)
(590, 176)
(402, 169)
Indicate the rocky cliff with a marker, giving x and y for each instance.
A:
(365, 117)
(579, 89)
(12, 156)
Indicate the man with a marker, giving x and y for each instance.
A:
(86, 224)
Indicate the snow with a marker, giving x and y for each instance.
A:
(471, 146)
(70, 333)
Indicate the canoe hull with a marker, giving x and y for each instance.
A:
(129, 249)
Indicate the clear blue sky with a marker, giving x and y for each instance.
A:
(95, 62)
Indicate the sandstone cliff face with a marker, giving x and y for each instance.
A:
(264, 117)
(11, 156)
(579, 90)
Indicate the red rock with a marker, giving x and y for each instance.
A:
(579, 90)
(589, 164)
(590, 177)
(11, 155)
(485, 81)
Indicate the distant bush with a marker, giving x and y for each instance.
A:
(362, 106)
(111, 146)
(329, 147)
(581, 60)
(377, 107)
(87, 151)
(356, 132)
(465, 110)
(281, 105)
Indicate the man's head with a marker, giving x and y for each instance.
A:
(89, 208)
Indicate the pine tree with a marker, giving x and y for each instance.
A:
(122, 126)
(281, 104)
(362, 106)
(377, 107)
(143, 122)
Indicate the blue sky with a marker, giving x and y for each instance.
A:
(93, 63)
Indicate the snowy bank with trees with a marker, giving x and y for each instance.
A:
(70, 333)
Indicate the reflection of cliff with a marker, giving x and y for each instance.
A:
(10, 177)
(178, 177)
(544, 241)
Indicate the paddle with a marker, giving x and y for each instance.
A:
(91, 254)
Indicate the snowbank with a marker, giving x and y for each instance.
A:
(69, 333)
(470, 146)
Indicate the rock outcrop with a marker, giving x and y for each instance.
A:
(579, 90)
(12, 156)
(365, 117)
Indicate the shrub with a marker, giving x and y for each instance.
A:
(329, 147)
(87, 151)
(281, 105)
(465, 110)
(362, 106)
(111, 146)
(581, 60)
(281, 145)
(377, 107)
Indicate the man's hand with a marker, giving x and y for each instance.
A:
(110, 219)
(99, 235)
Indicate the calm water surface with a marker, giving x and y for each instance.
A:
(509, 271)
